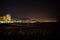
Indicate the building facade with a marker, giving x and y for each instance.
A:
(6, 18)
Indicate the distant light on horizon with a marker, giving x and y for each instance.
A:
(47, 21)
(9, 20)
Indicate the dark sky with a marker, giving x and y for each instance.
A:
(43, 9)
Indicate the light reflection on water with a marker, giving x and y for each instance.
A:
(24, 31)
(35, 31)
(30, 34)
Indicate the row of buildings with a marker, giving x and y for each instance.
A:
(5, 18)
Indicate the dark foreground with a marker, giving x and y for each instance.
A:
(36, 31)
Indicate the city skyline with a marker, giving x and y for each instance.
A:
(8, 19)
(30, 9)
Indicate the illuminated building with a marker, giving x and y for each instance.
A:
(5, 18)
(8, 17)
(1, 18)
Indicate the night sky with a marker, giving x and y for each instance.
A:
(43, 9)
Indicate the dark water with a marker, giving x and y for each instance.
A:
(37, 31)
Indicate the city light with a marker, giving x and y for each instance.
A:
(7, 19)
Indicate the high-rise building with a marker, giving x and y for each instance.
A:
(6, 18)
